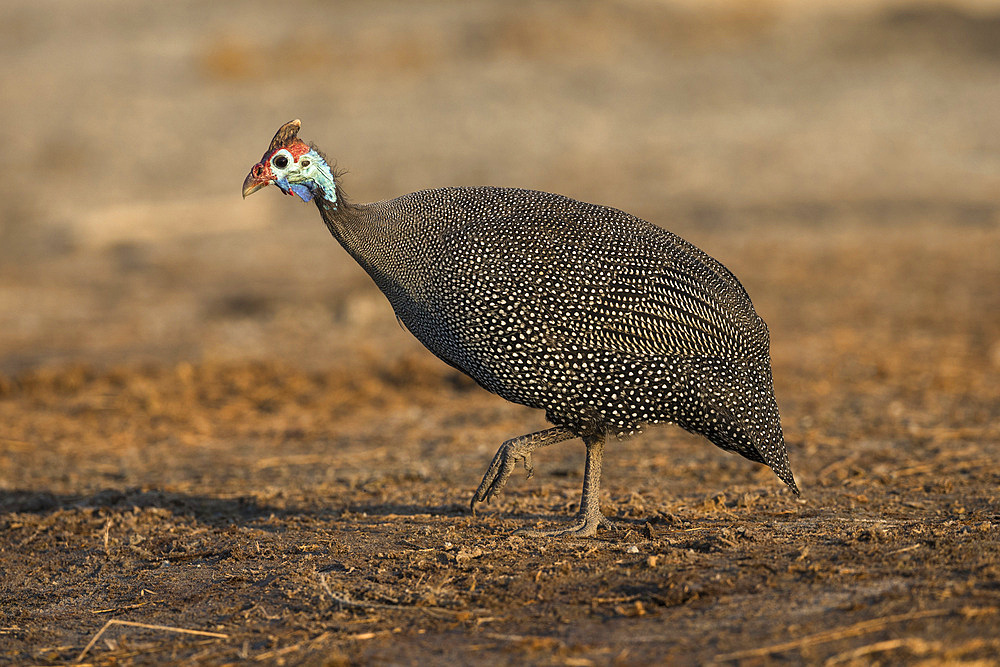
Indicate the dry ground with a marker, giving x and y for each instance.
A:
(211, 423)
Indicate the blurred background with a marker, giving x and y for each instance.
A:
(842, 157)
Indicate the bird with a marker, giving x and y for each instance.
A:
(605, 321)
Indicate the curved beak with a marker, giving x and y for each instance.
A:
(252, 184)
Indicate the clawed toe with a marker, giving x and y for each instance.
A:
(529, 468)
(506, 458)
(584, 526)
(500, 469)
(494, 480)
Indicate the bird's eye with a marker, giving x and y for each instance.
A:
(281, 162)
(305, 163)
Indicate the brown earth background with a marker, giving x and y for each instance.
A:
(210, 421)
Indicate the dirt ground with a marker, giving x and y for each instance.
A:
(215, 437)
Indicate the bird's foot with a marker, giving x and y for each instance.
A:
(585, 525)
(501, 468)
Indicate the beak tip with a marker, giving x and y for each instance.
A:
(252, 185)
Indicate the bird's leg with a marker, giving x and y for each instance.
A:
(589, 517)
(510, 452)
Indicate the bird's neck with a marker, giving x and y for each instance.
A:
(361, 234)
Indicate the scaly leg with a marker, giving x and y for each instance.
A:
(510, 452)
(589, 517)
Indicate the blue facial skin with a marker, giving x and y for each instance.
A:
(311, 181)
(304, 193)
(301, 190)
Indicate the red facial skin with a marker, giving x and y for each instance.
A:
(261, 175)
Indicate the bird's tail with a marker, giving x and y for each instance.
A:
(742, 414)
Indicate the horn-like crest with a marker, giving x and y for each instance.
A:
(285, 135)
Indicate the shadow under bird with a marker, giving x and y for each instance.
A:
(603, 320)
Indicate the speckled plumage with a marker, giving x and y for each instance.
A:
(603, 320)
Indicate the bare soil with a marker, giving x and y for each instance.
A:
(214, 436)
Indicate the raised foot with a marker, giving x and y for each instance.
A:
(506, 458)
(584, 526)
(500, 469)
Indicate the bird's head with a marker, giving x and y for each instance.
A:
(294, 166)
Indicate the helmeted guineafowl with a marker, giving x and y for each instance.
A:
(603, 320)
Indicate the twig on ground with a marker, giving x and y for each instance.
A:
(147, 626)
(904, 549)
(347, 602)
(114, 609)
(283, 461)
(361, 604)
(916, 645)
(315, 641)
(864, 627)
(107, 537)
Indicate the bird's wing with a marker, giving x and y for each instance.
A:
(677, 310)
(575, 274)
(646, 293)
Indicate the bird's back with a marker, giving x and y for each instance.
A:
(601, 319)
